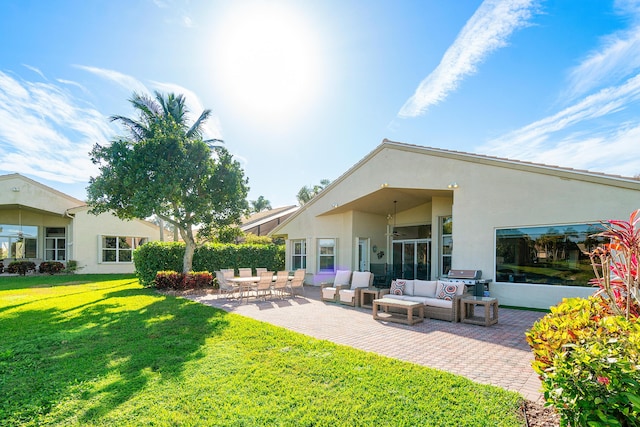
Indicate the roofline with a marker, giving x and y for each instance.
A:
(44, 187)
(562, 172)
(289, 209)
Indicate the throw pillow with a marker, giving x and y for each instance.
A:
(446, 291)
(397, 287)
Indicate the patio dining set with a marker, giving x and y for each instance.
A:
(263, 284)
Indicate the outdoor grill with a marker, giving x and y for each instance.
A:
(471, 278)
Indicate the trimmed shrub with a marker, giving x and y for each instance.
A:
(153, 257)
(179, 281)
(51, 267)
(21, 267)
(589, 363)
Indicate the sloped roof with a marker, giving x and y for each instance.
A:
(266, 216)
(563, 172)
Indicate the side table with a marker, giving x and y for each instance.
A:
(367, 295)
(467, 310)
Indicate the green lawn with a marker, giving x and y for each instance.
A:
(89, 350)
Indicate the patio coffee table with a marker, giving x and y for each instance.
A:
(409, 319)
(468, 304)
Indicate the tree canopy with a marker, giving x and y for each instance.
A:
(306, 193)
(260, 205)
(164, 168)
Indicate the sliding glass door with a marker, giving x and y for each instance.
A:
(411, 259)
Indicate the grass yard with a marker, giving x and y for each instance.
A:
(94, 350)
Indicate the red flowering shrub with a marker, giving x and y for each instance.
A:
(179, 281)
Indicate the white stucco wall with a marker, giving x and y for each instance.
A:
(89, 228)
(490, 194)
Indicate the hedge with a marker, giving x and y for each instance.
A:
(165, 256)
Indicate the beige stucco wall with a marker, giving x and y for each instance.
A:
(89, 228)
(27, 202)
(490, 194)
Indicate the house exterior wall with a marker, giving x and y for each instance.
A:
(28, 203)
(88, 230)
(490, 194)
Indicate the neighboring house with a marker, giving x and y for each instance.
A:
(39, 223)
(261, 223)
(417, 212)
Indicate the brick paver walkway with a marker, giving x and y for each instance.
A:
(497, 355)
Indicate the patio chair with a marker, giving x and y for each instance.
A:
(245, 272)
(359, 280)
(225, 287)
(297, 282)
(260, 270)
(263, 287)
(280, 285)
(329, 291)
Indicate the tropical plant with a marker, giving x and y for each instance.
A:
(587, 351)
(306, 193)
(164, 168)
(260, 205)
(616, 266)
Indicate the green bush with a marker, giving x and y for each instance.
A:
(589, 363)
(21, 267)
(51, 267)
(162, 256)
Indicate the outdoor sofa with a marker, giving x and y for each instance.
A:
(440, 298)
(346, 287)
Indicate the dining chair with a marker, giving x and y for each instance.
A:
(245, 272)
(297, 282)
(260, 270)
(225, 287)
(280, 285)
(263, 287)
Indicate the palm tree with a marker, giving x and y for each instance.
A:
(160, 112)
(260, 205)
(307, 193)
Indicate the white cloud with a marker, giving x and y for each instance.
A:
(130, 83)
(487, 30)
(617, 57)
(46, 132)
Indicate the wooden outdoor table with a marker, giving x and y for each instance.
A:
(409, 319)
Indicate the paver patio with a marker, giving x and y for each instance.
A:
(497, 355)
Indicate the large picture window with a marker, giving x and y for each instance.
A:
(552, 255)
(18, 241)
(327, 255)
(119, 249)
(298, 254)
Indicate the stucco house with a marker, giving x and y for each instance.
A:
(418, 212)
(39, 223)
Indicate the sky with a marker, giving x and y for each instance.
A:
(301, 90)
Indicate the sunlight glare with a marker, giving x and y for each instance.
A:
(267, 61)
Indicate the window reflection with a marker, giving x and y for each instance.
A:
(554, 255)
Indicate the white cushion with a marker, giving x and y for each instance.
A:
(408, 287)
(425, 288)
(343, 277)
(328, 293)
(347, 295)
(360, 279)
(436, 302)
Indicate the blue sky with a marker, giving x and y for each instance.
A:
(302, 90)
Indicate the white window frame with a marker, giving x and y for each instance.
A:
(334, 253)
(302, 255)
(59, 245)
(135, 243)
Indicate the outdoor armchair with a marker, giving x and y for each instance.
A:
(329, 291)
(359, 280)
(245, 272)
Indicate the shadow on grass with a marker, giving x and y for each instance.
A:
(95, 353)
